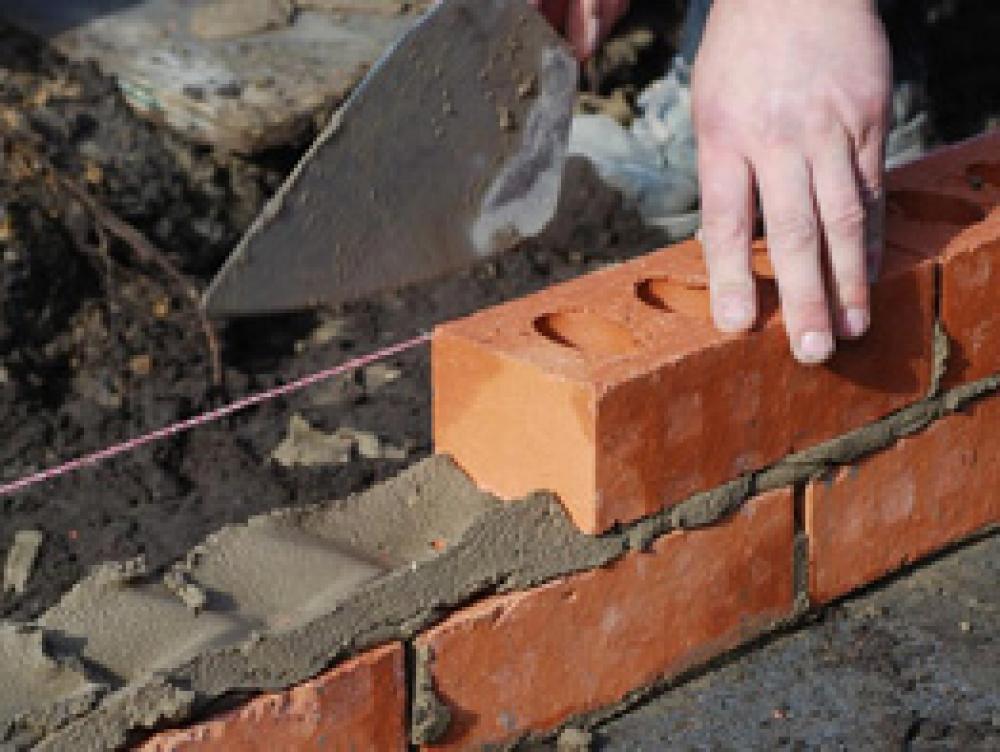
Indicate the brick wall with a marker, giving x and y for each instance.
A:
(615, 392)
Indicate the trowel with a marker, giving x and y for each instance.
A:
(449, 151)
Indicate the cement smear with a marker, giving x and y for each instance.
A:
(273, 602)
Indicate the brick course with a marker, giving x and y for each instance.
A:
(525, 662)
(904, 503)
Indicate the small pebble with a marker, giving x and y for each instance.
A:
(575, 740)
(161, 308)
(141, 365)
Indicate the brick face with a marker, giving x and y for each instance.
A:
(903, 503)
(359, 706)
(527, 661)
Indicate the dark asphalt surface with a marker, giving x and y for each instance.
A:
(913, 664)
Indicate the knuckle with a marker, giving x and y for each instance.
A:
(846, 219)
(795, 232)
(724, 233)
(712, 119)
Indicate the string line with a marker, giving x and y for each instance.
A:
(210, 416)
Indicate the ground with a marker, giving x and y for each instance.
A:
(909, 665)
(97, 344)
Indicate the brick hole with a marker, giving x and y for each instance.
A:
(688, 297)
(588, 333)
(984, 173)
(935, 208)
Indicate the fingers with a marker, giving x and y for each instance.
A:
(842, 213)
(726, 196)
(583, 27)
(794, 242)
(871, 171)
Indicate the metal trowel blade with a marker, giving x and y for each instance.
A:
(449, 151)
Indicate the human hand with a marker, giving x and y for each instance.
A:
(583, 22)
(794, 94)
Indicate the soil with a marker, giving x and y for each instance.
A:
(96, 347)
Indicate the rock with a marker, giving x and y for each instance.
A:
(21, 560)
(306, 446)
(228, 19)
(371, 447)
(141, 365)
(574, 740)
(190, 592)
(380, 374)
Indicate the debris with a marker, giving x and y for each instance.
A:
(121, 573)
(324, 334)
(161, 308)
(379, 375)
(574, 740)
(305, 446)
(141, 365)
(190, 592)
(93, 174)
(21, 560)
(6, 228)
(371, 447)
(228, 19)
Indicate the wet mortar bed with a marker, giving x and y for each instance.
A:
(96, 347)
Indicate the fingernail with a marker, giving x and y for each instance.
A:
(733, 314)
(814, 347)
(855, 322)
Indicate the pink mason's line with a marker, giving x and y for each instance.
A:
(208, 417)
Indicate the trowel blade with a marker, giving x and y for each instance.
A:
(449, 151)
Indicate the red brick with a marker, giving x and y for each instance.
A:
(946, 206)
(527, 661)
(359, 705)
(903, 503)
(616, 391)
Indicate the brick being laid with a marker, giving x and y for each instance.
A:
(525, 662)
(903, 503)
(616, 391)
